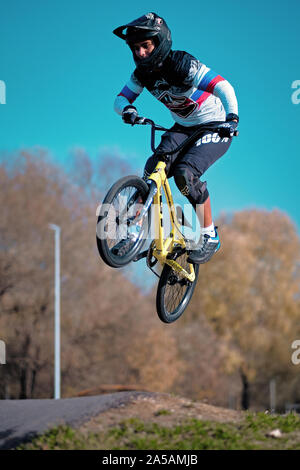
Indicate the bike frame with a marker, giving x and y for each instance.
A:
(164, 247)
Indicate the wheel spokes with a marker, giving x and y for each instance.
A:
(176, 288)
(122, 212)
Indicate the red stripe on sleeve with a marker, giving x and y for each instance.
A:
(212, 84)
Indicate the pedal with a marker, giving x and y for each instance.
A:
(141, 255)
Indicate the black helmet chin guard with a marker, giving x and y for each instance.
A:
(149, 26)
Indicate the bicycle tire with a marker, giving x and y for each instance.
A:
(104, 245)
(171, 284)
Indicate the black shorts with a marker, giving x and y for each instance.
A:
(198, 157)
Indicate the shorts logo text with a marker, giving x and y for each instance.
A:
(208, 138)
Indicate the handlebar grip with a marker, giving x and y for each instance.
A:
(227, 132)
(140, 120)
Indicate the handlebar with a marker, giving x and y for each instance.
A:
(190, 139)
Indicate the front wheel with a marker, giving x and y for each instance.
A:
(174, 292)
(119, 238)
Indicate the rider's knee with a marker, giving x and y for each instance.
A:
(191, 186)
(182, 181)
(200, 192)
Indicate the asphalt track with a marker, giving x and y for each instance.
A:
(21, 420)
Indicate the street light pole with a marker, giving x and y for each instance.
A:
(273, 395)
(56, 229)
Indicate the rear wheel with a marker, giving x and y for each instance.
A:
(174, 292)
(119, 239)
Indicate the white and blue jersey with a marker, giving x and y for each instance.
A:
(192, 92)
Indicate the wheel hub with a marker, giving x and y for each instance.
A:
(173, 279)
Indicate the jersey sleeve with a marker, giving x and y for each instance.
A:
(208, 81)
(128, 94)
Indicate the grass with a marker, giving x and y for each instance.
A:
(162, 412)
(192, 434)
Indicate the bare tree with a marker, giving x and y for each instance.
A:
(250, 293)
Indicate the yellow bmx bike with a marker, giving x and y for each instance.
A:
(123, 227)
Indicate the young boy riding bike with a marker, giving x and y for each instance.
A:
(195, 95)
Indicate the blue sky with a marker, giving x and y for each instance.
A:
(63, 67)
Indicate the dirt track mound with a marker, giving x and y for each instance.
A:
(161, 408)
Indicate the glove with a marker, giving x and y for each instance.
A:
(129, 115)
(227, 128)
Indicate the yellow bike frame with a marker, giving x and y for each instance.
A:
(161, 247)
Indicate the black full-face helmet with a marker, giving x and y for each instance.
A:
(149, 26)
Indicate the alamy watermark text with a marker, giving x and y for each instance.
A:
(2, 92)
(296, 94)
(296, 354)
(2, 352)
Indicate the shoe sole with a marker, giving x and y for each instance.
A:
(203, 262)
